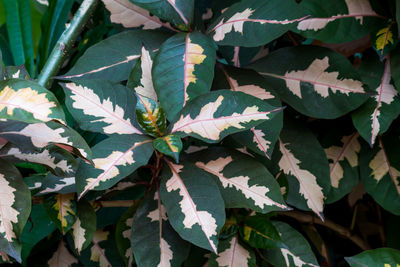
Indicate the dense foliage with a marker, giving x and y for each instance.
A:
(199, 133)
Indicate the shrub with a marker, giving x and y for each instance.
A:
(184, 133)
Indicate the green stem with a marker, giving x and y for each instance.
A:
(66, 41)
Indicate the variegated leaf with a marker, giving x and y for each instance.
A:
(132, 16)
(15, 205)
(170, 145)
(384, 38)
(303, 161)
(233, 254)
(386, 257)
(262, 138)
(150, 116)
(140, 78)
(154, 241)
(97, 252)
(61, 208)
(376, 115)
(114, 159)
(28, 102)
(316, 81)
(123, 234)
(342, 153)
(217, 114)
(297, 252)
(84, 227)
(16, 72)
(337, 22)
(114, 66)
(243, 182)
(194, 204)
(100, 106)
(54, 184)
(40, 135)
(245, 23)
(178, 12)
(183, 69)
(381, 172)
(62, 257)
(56, 159)
(259, 232)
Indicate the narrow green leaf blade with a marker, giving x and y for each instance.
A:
(375, 257)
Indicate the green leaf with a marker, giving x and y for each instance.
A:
(150, 116)
(154, 241)
(100, 106)
(297, 252)
(243, 182)
(232, 253)
(302, 159)
(376, 115)
(380, 172)
(123, 235)
(16, 72)
(375, 257)
(53, 24)
(384, 38)
(41, 135)
(245, 23)
(114, 159)
(54, 184)
(27, 101)
(336, 22)
(140, 80)
(84, 227)
(213, 116)
(114, 66)
(259, 232)
(178, 12)
(342, 151)
(56, 159)
(16, 206)
(19, 28)
(61, 208)
(395, 66)
(183, 69)
(194, 204)
(262, 138)
(132, 16)
(316, 81)
(170, 145)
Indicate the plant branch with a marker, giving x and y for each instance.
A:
(308, 218)
(64, 44)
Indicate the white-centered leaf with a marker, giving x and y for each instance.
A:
(127, 234)
(250, 89)
(78, 233)
(62, 257)
(235, 256)
(309, 187)
(91, 105)
(298, 262)
(193, 56)
(61, 183)
(63, 207)
(43, 157)
(381, 166)
(255, 192)
(129, 15)
(8, 215)
(357, 9)
(109, 166)
(321, 80)
(386, 93)
(205, 125)
(349, 151)
(236, 22)
(97, 253)
(146, 88)
(192, 216)
(26, 99)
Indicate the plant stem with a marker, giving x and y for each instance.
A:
(307, 218)
(66, 41)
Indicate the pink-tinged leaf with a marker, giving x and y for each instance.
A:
(62, 257)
